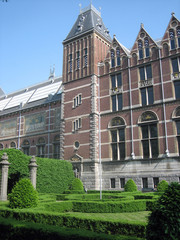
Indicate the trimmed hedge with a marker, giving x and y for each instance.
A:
(130, 186)
(109, 207)
(15, 230)
(23, 195)
(95, 225)
(53, 175)
(162, 186)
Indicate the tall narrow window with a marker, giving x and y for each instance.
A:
(117, 139)
(116, 81)
(26, 147)
(78, 60)
(140, 47)
(85, 57)
(155, 181)
(175, 66)
(122, 182)
(177, 89)
(178, 35)
(41, 147)
(172, 39)
(1, 146)
(112, 59)
(118, 57)
(56, 147)
(113, 183)
(145, 182)
(146, 43)
(117, 103)
(145, 72)
(70, 62)
(147, 96)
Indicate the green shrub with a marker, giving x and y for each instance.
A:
(77, 185)
(23, 195)
(164, 221)
(130, 186)
(162, 186)
(53, 175)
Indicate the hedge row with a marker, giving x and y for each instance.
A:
(15, 230)
(95, 225)
(53, 175)
(90, 197)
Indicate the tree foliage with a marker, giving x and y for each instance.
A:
(164, 221)
(162, 186)
(130, 186)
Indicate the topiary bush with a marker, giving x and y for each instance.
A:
(77, 185)
(164, 221)
(130, 186)
(162, 186)
(23, 195)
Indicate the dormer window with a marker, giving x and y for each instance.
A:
(146, 43)
(112, 59)
(118, 57)
(172, 39)
(140, 47)
(178, 36)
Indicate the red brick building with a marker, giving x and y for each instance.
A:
(120, 107)
(118, 111)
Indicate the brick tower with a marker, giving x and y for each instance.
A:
(86, 45)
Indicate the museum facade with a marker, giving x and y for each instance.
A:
(115, 113)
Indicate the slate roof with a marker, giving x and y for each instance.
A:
(42, 93)
(88, 20)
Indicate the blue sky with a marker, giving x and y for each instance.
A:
(32, 32)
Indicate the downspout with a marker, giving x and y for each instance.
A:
(130, 101)
(164, 107)
(99, 125)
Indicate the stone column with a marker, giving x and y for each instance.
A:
(4, 165)
(33, 171)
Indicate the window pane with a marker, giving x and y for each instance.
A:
(119, 101)
(114, 151)
(121, 135)
(119, 82)
(113, 185)
(177, 89)
(140, 53)
(142, 73)
(154, 148)
(175, 65)
(150, 95)
(114, 103)
(118, 61)
(156, 181)
(145, 149)
(145, 182)
(153, 130)
(147, 52)
(178, 127)
(144, 132)
(113, 82)
(149, 71)
(173, 44)
(122, 150)
(143, 96)
(122, 182)
(114, 136)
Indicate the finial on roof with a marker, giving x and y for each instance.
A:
(114, 35)
(52, 72)
(142, 25)
(172, 14)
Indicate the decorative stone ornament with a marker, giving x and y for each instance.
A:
(33, 171)
(4, 166)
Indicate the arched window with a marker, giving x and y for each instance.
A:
(1, 146)
(178, 35)
(117, 130)
(172, 39)
(149, 133)
(112, 59)
(26, 147)
(41, 147)
(56, 146)
(140, 47)
(146, 43)
(118, 57)
(176, 117)
(13, 145)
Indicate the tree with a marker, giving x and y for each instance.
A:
(130, 186)
(164, 221)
